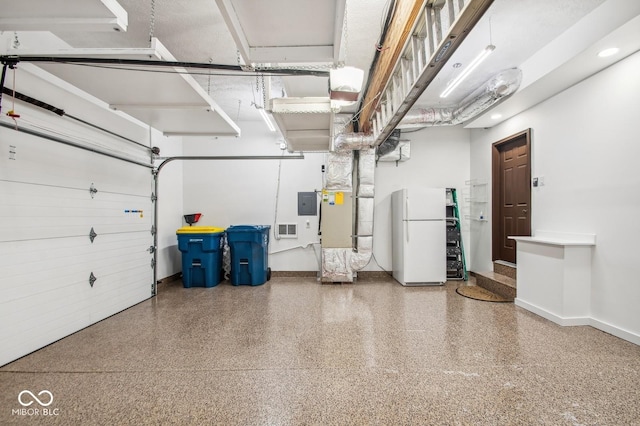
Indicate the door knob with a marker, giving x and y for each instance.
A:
(524, 211)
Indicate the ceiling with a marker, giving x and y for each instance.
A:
(553, 42)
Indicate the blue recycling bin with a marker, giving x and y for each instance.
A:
(201, 248)
(249, 254)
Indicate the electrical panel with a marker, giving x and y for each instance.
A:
(307, 204)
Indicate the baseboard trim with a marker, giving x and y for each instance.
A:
(294, 274)
(575, 321)
(170, 278)
(564, 321)
(616, 331)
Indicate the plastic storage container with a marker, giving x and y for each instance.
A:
(249, 254)
(201, 248)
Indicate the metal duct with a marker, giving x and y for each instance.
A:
(498, 87)
(339, 171)
(352, 141)
(365, 206)
(389, 144)
(401, 153)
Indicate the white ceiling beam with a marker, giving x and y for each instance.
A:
(84, 52)
(161, 106)
(233, 24)
(301, 105)
(95, 16)
(181, 133)
(338, 36)
(62, 24)
(307, 134)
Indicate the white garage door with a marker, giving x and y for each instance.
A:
(54, 279)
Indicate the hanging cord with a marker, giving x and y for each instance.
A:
(275, 213)
(152, 23)
(12, 113)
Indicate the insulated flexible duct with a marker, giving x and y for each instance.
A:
(498, 87)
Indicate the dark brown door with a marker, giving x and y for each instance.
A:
(511, 194)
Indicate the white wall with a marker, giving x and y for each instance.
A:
(439, 159)
(169, 205)
(244, 192)
(585, 144)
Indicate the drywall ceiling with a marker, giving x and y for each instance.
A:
(258, 29)
(555, 44)
(542, 37)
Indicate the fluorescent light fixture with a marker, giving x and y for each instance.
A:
(496, 116)
(468, 70)
(608, 52)
(266, 119)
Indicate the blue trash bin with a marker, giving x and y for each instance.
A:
(249, 254)
(201, 248)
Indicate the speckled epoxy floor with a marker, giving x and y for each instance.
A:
(294, 352)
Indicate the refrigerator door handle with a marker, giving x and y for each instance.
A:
(406, 217)
(406, 229)
(406, 208)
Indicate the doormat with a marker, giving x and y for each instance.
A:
(479, 293)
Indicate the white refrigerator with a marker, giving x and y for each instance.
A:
(419, 236)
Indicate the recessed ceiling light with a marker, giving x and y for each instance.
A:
(496, 116)
(608, 52)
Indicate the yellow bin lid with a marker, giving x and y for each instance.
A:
(199, 230)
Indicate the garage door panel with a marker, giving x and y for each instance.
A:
(66, 165)
(70, 265)
(23, 229)
(41, 311)
(76, 294)
(72, 246)
(66, 213)
(111, 298)
(53, 330)
(59, 206)
(51, 194)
